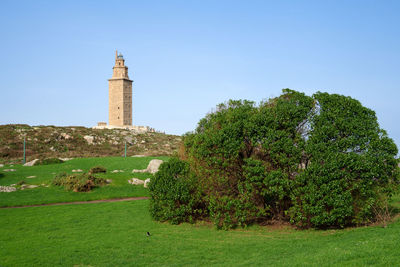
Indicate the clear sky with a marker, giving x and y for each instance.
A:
(187, 56)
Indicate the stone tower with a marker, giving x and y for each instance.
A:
(120, 94)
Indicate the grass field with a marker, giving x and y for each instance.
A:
(114, 234)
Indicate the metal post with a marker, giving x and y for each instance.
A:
(24, 161)
(125, 149)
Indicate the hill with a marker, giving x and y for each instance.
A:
(78, 141)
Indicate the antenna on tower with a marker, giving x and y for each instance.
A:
(116, 54)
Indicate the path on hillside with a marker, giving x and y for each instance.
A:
(79, 202)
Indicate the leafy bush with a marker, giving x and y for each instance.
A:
(98, 169)
(49, 161)
(319, 161)
(350, 165)
(78, 182)
(173, 193)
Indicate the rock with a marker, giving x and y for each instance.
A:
(66, 136)
(30, 186)
(65, 159)
(135, 181)
(9, 170)
(138, 156)
(89, 139)
(52, 149)
(31, 163)
(153, 166)
(1, 165)
(146, 182)
(115, 171)
(30, 177)
(78, 170)
(7, 189)
(108, 181)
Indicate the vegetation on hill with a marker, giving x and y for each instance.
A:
(65, 142)
(320, 161)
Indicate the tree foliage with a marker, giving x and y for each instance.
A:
(319, 161)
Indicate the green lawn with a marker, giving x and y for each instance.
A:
(44, 175)
(114, 234)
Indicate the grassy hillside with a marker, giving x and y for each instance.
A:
(52, 141)
(43, 175)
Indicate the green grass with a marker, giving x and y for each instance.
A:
(119, 187)
(113, 234)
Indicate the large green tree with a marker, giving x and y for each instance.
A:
(319, 161)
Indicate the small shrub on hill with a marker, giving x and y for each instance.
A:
(78, 182)
(98, 169)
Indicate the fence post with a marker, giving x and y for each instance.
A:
(125, 149)
(24, 161)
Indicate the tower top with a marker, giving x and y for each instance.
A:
(120, 71)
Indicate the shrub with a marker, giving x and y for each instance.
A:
(173, 193)
(98, 169)
(78, 182)
(319, 161)
(49, 161)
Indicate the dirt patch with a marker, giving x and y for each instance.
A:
(79, 202)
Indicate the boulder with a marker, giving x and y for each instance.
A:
(64, 159)
(66, 136)
(135, 181)
(7, 189)
(78, 170)
(89, 139)
(153, 166)
(30, 186)
(146, 182)
(115, 171)
(1, 165)
(31, 163)
(30, 177)
(9, 170)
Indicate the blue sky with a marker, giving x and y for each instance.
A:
(187, 56)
